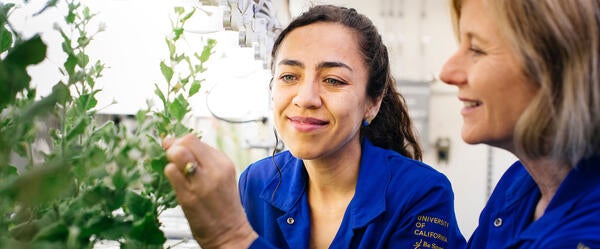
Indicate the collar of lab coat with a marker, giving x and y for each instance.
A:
(369, 198)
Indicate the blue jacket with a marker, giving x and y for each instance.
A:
(398, 203)
(571, 220)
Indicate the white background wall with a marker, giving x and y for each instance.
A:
(420, 39)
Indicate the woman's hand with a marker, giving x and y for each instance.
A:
(207, 193)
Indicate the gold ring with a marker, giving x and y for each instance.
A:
(190, 168)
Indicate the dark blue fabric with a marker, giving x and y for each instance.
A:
(571, 220)
(398, 203)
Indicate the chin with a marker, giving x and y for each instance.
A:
(470, 138)
(303, 153)
(501, 142)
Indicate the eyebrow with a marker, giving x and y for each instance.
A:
(472, 35)
(325, 64)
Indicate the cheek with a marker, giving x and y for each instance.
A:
(349, 112)
(279, 100)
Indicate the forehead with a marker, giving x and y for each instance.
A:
(324, 40)
(476, 18)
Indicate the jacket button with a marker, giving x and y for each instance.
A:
(498, 222)
(290, 220)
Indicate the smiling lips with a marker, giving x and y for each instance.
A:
(306, 124)
(469, 105)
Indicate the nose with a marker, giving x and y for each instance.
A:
(454, 70)
(308, 95)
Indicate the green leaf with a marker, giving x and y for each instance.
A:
(141, 116)
(6, 39)
(199, 68)
(32, 51)
(120, 180)
(207, 50)
(117, 230)
(102, 194)
(177, 32)
(78, 129)
(179, 10)
(61, 92)
(78, 76)
(160, 95)
(180, 129)
(171, 47)
(82, 58)
(138, 205)
(167, 71)
(24, 231)
(86, 102)
(44, 105)
(66, 44)
(147, 230)
(188, 15)
(70, 18)
(49, 3)
(179, 108)
(136, 244)
(86, 13)
(70, 64)
(39, 185)
(159, 164)
(194, 88)
(56, 231)
(8, 170)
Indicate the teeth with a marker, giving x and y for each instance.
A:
(470, 104)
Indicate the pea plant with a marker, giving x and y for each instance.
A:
(81, 181)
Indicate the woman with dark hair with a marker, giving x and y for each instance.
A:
(351, 177)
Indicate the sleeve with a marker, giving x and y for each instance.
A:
(572, 243)
(242, 183)
(428, 221)
(261, 243)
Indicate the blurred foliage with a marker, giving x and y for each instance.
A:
(83, 181)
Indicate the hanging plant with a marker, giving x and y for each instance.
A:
(93, 181)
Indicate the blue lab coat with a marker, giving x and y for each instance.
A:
(571, 220)
(398, 203)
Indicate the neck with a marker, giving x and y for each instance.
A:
(548, 175)
(333, 178)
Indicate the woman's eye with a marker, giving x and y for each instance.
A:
(287, 77)
(476, 51)
(334, 81)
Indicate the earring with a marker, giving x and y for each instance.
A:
(365, 123)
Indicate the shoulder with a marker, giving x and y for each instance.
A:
(579, 224)
(410, 172)
(409, 180)
(515, 182)
(263, 172)
(420, 202)
(268, 167)
(515, 173)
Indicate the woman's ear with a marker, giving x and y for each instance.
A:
(373, 109)
(271, 89)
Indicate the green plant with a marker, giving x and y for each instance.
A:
(96, 181)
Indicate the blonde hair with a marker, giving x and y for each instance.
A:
(558, 43)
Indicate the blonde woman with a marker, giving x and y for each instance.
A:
(528, 73)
